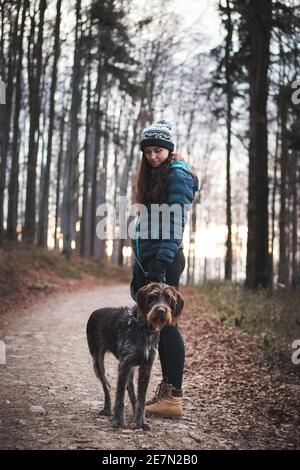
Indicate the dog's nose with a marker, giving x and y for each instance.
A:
(161, 311)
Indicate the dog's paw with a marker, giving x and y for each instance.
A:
(143, 426)
(105, 412)
(146, 427)
(118, 423)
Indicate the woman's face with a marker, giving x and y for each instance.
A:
(156, 155)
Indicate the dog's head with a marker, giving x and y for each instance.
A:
(159, 304)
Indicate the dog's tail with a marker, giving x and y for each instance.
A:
(98, 362)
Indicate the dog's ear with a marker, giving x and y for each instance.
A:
(177, 302)
(178, 305)
(141, 297)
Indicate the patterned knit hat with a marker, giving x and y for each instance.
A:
(159, 134)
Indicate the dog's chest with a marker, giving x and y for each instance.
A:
(145, 354)
(138, 344)
(150, 350)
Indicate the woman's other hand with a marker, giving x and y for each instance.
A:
(157, 271)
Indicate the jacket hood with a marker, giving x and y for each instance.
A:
(181, 164)
(186, 167)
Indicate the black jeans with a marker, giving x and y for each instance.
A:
(171, 346)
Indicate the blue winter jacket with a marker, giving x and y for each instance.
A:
(181, 188)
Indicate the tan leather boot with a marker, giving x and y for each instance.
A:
(169, 406)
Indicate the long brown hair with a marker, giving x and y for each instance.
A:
(151, 181)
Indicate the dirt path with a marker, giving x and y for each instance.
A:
(233, 399)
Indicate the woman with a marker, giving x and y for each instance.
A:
(164, 178)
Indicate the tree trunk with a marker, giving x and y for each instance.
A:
(283, 265)
(259, 23)
(34, 63)
(97, 131)
(7, 108)
(117, 150)
(87, 154)
(228, 71)
(69, 196)
(102, 188)
(138, 124)
(13, 191)
(58, 173)
(295, 176)
(43, 229)
(2, 122)
(274, 191)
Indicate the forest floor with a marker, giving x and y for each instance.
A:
(235, 397)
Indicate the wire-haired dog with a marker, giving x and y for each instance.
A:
(132, 335)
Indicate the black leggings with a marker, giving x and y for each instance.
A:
(171, 346)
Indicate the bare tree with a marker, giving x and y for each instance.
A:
(35, 56)
(12, 15)
(43, 222)
(13, 191)
(70, 183)
(259, 15)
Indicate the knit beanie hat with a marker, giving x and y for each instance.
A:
(159, 134)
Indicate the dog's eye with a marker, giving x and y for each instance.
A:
(170, 300)
(151, 299)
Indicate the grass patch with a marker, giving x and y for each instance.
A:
(272, 316)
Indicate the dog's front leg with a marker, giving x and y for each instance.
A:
(143, 382)
(130, 389)
(124, 370)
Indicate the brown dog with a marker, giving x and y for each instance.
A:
(132, 335)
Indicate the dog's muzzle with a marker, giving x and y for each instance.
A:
(159, 316)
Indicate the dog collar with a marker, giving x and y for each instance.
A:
(132, 314)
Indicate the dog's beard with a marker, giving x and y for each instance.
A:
(157, 320)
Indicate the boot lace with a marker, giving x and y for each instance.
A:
(161, 392)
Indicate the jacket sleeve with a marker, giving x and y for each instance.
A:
(180, 190)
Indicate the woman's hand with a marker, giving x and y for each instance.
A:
(157, 271)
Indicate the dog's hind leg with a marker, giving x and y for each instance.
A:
(100, 373)
(130, 390)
